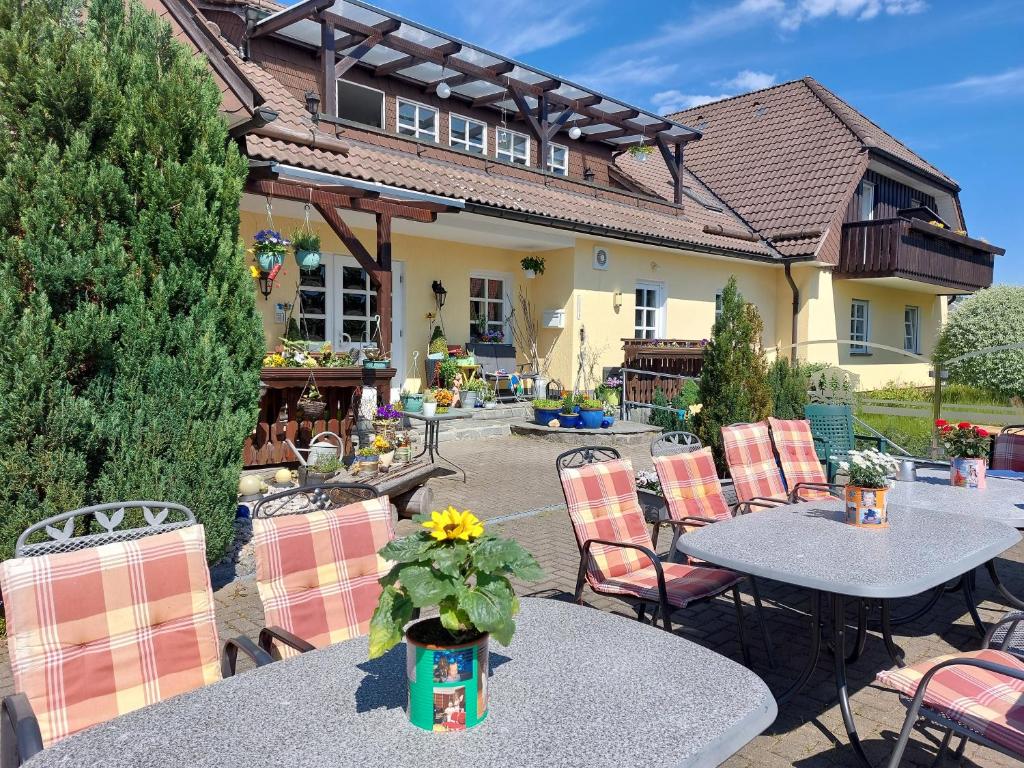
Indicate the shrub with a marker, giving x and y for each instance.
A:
(788, 385)
(992, 317)
(670, 421)
(132, 346)
(733, 382)
(438, 344)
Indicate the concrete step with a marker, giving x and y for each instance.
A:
(471, 430)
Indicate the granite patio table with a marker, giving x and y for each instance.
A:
(808, 545)
(576, 687)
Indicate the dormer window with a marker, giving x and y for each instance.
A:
(513, 147)
(558, 159)
(468, 135)
(417, 120)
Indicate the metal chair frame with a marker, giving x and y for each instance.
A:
(670, 443)
(20, 737)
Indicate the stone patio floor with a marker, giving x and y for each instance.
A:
(512, 483)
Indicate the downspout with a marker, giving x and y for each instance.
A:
(796, 308)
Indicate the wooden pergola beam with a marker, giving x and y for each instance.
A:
(390, 67)
(673, 157)
(365, 45)
(288, 17)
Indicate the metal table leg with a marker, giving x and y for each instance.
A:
(967, 583)
(1012, 600)
(812, 659)
(895, 652)
(862, 632)
(839, 662)
(933, 599)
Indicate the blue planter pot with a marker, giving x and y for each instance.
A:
(412, 403)
(268, 261)
(376, 364)
(543, 415)
(607, 421)
(568, 421)
(307, 260)
(591, 419)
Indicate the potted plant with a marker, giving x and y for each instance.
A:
(438, 347)
(269, 249)
(532, 266)
(385, 451)
(412, 402)
(375, 358)
(323, 471)
(591, 414)
(366, 461)
(444, 398)
(608, 391)
(447, 372)
(455, 566)
(403, 448)
(429, 403)
(641, 152)
(545, 410)
(568, 418)
(471, 392)
(462, 356)
(311, 403)
(967, 446)
(609, 416)
(489, 397)
(868, 488)
(306, 245)
(651, 495)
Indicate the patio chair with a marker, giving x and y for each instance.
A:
(751, 462)
(834, 437)
(1008, 448)
(499, 365)
(671, 443)
(975, 695)
(317, 567)
(617, 555)
(802, 471)
(103, 623)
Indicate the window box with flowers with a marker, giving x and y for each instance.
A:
(967, 446)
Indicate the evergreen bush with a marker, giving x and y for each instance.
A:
(670, 421)
(734, 377)
(788, 384)
(132, 347)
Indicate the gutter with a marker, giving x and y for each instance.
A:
(263, 123)
(796, 308)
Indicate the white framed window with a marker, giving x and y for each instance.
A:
(336, 304)
(860, 325)
(466, 134)
(358, 304)
(649, 315)
(315, 306)
(867, 200)
(488, 293)
(719, 304)
(912, 330)
(417, 120)
(558, 159)
(360, 104)
(512, 147)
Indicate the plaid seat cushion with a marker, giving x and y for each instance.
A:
(799, 461)
(1008, 451)
(100, 632)
(683, 583)
(986, 702)
(690, 485)
(603, 504)
(317, 574)
(748, 452)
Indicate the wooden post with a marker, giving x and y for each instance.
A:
(385, 284)
(329, 79)
(936, 407)
(677, 179)
(543, 137)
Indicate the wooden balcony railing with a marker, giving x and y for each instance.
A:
(671, 357)
(915, 250)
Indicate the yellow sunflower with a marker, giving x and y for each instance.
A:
(452, 524)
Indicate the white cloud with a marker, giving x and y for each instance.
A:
(998, 85)
(667, 102)
(749, 80)
(863, 10)
(515, 27)
(647, 70)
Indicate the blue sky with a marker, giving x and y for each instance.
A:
(944, 76)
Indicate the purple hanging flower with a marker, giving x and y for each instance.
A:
(388, 412)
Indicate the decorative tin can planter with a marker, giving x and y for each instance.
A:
(403, 454)
(468, 399)
(447, 683)
(867, 507)
(365, 465)
(967, 473)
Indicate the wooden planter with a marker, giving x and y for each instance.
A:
(280, 419)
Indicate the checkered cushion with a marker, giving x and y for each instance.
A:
(683, 583)
(986, 702)
(317, 574)
(100, 632)
(689, 483)
(1008, 452)
(800, 464)
(603, 504)
(748, 452)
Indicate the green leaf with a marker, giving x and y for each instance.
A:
(503, 634)
(453, 618)
(408, 549)
(449, 559)
(425, 585)
(494, 555)
(394, 611)
(490, 603)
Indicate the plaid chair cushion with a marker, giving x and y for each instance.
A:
(1008, 452)
(317, 574)
(748, 452)
(603, 504)
(100, 632)
(800, 463)
(986, 702)
(689, 483)
(683, 583)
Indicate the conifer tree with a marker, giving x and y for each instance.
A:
(131, 345)
(734, 376)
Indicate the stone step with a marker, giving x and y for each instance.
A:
(474, 431)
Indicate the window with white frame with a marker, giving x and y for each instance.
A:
(314, 309)
(468, 135)
(512, 147)
(719, 304)
(911, 329)
(867, 200)
(487, 307)
(649, 312)
(358, 306)
(860, 325)
(417, 120)
(558, 159)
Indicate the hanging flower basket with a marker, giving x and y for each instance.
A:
(308, 261)
(268, 260)
(312, 409)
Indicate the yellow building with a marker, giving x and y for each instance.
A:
(422, 160)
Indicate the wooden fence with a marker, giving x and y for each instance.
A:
(987, 415)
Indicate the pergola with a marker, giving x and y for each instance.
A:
(349, 33)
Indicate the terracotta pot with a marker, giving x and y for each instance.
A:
(967, 473)
(447, 682)
(867, 507)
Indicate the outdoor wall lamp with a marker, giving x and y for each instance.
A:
(588, 174)
(313, 105)
(617, 300)
(440, 294)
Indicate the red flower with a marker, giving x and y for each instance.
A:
(964, 425)
(946, 429)
(941, 422)
(981, 432)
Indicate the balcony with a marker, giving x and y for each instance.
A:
(915, 250)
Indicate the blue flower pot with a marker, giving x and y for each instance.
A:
(307, 260)
(543, 415)
(268, 261)
(607, 421)
(412, 403)
(376, 364)
(591, 419)
(568, 420)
